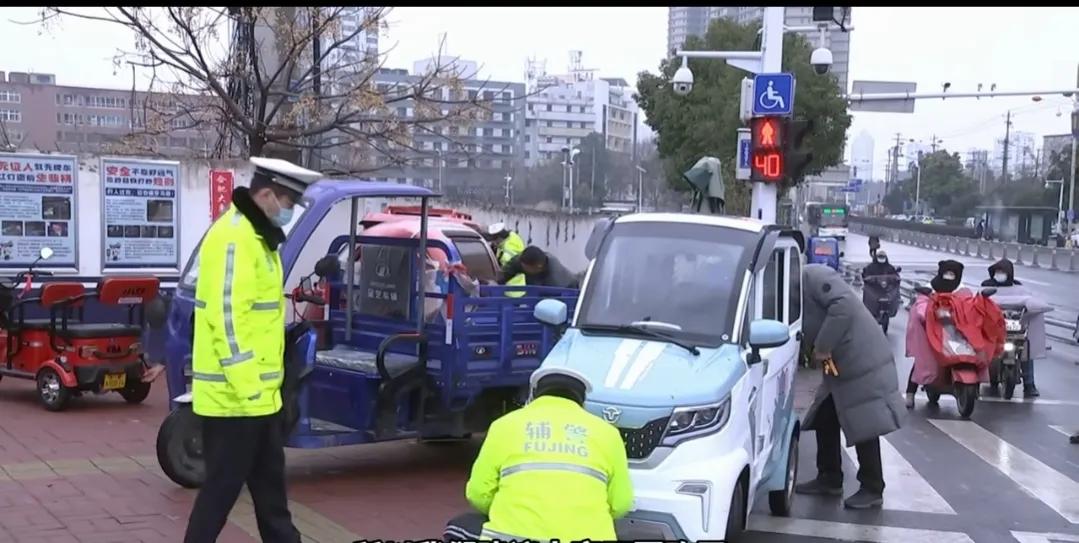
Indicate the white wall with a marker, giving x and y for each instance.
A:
(564, 236)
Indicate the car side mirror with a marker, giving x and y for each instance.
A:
(988, 292)
(766, 334)
(328, 266)
(923, 290)
(306, 284)
(842, 254)
(898, 269)
(551, 312)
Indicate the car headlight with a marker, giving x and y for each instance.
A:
(691, 421)
(1009, 347)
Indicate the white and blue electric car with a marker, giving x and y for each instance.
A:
(689, 329)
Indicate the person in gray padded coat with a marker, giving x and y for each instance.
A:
(860, 389)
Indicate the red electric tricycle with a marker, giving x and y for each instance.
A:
(65, 356)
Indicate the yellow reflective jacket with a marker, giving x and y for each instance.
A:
(238, 359)
(551, 470)
(511, 247)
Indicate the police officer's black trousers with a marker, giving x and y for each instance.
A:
(242, 450)
(464, 527)
(830, 452)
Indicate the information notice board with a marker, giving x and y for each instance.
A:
(140, 206)
(38, 195)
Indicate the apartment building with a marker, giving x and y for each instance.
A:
(566, 109)
(38, 114)
(468, 159)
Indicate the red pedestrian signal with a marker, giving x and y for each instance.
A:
(766, 149)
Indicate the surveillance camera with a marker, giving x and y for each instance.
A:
(682, 81)
(821, 60)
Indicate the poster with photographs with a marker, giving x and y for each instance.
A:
(140, 207)
(37, 209)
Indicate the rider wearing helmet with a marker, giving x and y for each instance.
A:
(549, 470)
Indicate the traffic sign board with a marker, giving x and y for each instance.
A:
(855, 182)
(850, 189)
(773, 94)
(742, 170)
(1071, 215)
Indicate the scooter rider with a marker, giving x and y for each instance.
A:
(549, 470)
(879, 266)
(949, 278)
(1002, 275)
(874, 246)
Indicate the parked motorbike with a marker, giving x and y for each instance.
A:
(880, 294)
(961, 380)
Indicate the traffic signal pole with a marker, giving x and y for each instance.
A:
(766, 195)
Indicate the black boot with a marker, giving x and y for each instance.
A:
(864, 499)
(1030, 391)
(1074, 439)
(820, 487)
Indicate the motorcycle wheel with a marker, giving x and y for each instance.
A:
(1011, 378)
(179, 448)
(965, 398)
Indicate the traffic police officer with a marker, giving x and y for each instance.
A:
(238, 362)
(508, 245)
(548, 470)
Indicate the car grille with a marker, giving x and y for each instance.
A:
(640, 442)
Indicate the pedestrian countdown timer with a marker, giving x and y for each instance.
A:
(766, 144)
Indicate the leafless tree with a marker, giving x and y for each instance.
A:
(285, 81)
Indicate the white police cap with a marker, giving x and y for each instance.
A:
(559, 370)
(496, 228)
(285, 173)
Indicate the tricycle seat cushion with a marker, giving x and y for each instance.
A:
(363, 361)
(99, 330)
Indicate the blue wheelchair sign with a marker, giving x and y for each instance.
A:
(773, 94)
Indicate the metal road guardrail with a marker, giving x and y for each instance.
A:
(1035, 256)
(1058, 329)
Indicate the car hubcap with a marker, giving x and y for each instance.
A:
(50, 388)
(792, 472)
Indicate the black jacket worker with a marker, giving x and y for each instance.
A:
(539, 269)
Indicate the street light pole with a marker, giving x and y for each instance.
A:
(509, 194)
(439, 153)
(765, 195)
(918, 188)
(640, 188)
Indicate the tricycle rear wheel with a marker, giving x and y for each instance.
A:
(135, 393)
(179, 448)
(51, 391)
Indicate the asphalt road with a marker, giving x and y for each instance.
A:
(1007, 475)
(1060, 289)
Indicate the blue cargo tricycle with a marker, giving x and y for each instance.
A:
(402, 348)
(824, 250)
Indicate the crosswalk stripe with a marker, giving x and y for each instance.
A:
(843, 531)
(1061, 429)
(1019, 399)
(1042, 482)
(1030, 537)
(906, 489)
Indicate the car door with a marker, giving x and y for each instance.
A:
(775, 290)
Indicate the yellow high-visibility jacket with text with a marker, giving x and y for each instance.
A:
(510, 248)
(238, 359)
(551, 470)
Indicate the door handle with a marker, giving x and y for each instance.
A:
(798, 335)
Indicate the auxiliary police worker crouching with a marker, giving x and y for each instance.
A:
(238, 362)
(548, 470)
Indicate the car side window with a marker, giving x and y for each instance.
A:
(774, 286)
(794, 300)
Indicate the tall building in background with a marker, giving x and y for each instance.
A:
(1022, 153)
(683, 22)
(564, 109)
(861, 156)
(977, 167)
(1054, 145)
(686, 21)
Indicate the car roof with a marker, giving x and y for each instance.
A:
(723, 221)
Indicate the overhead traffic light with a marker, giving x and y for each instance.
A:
(796, 155)
(767, 138)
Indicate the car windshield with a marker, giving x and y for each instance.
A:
(191, 270)
(681, 279)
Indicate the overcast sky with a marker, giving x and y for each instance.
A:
(1016, 48)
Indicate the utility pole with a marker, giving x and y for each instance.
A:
(1007, 137)
(313, 153)
(895, 157)
(934, 144)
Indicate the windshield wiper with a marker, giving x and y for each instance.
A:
(640, 330)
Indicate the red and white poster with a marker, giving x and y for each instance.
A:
(220, 192)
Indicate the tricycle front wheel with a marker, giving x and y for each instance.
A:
(179, 448)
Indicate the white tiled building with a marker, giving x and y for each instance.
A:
(568, 109)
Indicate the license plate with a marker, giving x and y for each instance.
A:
(114, 381)
(1013, 326)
